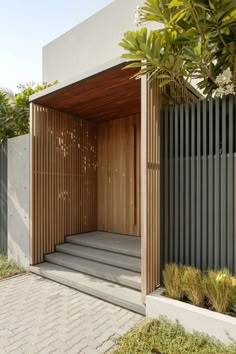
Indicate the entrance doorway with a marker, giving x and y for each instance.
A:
(118, 151)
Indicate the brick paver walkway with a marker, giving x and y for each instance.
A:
(40, 316)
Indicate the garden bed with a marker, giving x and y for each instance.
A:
(192, 318)
(200, 301)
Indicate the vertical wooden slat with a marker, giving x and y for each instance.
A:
(144, 235)
(151, 188)
(223, 242)
(210, 187)
(199, 191)
(204, 187)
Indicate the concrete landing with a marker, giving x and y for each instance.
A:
(117, 243)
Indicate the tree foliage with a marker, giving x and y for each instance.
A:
(14, 110)
(197, 41)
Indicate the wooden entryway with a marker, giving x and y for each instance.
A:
(119, 175)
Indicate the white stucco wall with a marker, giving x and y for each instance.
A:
(91, 43)
(18, 200)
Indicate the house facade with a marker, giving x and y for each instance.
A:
(119, 185)
(95, 155)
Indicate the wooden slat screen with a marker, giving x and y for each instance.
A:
(152, 257)
(63, 185)
(198, 148)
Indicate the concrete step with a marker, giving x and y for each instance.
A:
(113, 293)
(101, 256)
(122, 244)
(99, 270)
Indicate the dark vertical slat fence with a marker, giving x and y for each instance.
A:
(3, 199)
(198, 184)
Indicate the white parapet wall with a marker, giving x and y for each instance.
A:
(192, 318)
(18, 200)
(91, 43)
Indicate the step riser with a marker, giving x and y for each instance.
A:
(111, 262)
(92, 271)
(104, 247)
(94, 292)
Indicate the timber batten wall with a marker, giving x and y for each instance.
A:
(153, 98)
(63, 186)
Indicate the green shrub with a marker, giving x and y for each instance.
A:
(173, 281)
(8, 268)
(193, 286)
(160, 336)
(233, 294)
(218, 289)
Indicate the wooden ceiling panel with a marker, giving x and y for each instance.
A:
(108, 95)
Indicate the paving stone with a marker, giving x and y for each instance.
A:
(41, 316)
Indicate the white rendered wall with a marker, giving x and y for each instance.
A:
(91, 43)
(18, 200)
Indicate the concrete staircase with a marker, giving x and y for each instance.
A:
(104, 265)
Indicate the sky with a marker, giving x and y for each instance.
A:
(26, 26)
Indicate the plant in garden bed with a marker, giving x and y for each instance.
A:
(193, 286)
(233, 295)
(215, 290)
(173, 276)
(160, 336)
(8, 268)
(219, 289)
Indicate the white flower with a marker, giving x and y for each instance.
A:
(229, 89)
(226, 86)
(224, 78)
(138, 16)
(219, 92)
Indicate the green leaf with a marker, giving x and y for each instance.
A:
(198, 49)
(175, 3)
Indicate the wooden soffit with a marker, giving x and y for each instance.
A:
(107, 95)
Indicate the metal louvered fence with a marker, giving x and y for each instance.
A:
(198, 184)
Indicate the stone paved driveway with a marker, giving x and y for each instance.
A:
(40, 316)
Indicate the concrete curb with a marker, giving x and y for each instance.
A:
(191, 317)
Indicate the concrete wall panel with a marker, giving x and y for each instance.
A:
(18, 200)
(91, 43)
